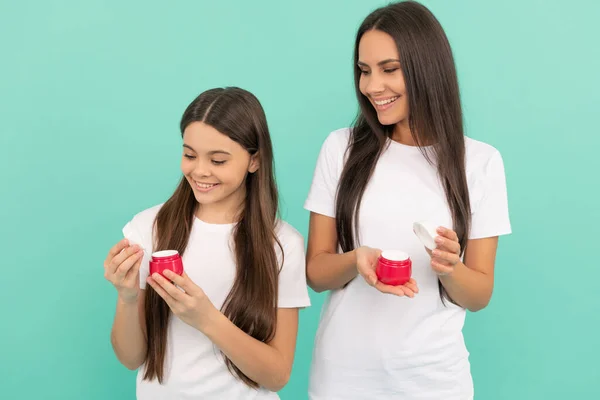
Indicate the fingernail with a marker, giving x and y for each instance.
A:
(438, 240)
(440, 229)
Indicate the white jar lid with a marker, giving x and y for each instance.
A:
(426, 232)
(133, 236)
(394, 255)
(165, 253)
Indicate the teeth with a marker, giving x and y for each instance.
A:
(205, 185)
(384, 102)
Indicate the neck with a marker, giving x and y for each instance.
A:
(402, 133)
(226, 211)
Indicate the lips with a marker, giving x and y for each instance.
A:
(384, 103)
(205, 187)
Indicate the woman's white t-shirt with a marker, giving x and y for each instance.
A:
(371, 345)
(194, 367)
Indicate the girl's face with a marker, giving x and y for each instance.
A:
(381, 79)
(215, 166)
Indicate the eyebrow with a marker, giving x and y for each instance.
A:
(210, 153)
(380, 63)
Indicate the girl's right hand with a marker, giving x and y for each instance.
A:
(122, 269)
(366, 264)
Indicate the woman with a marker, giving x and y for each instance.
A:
(406, 159)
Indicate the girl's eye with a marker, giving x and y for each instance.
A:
(189, 156)
(218, 162)
(363, 72)
(390, 70)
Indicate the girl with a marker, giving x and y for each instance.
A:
(406, 159)
(226, 328)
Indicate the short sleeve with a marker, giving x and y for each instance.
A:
(491, 216)
(321, 196)
(142, 236)
(293, 291)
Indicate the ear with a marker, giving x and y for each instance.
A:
(254, 163)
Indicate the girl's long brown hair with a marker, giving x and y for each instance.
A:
(252, 302)
(435, 116)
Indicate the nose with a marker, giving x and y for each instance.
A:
(202, 169)
(374, 84)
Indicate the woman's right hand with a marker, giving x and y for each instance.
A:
(122, 269)
(366, 264)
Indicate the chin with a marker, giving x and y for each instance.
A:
(388, 120)
(206, 200)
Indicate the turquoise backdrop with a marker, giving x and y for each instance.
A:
(91, 93)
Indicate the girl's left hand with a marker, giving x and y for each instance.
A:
(447, 252)
(191, 304)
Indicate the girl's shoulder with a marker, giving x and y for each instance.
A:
(288, 235)
(139, 229)
(144, 220)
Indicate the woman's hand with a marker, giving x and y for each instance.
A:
(366, 264)
(447, 252)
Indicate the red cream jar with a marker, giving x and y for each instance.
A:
(166, 259)
(394, 267)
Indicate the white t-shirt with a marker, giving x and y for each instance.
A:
(194, 367)
(371, 345)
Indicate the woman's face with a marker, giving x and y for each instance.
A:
(381, 79)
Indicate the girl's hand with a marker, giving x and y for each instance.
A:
(122, 269)
(366, 264)
(188, 301)
(447, 252)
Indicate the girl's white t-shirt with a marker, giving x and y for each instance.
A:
(371, 345)
(193, 364)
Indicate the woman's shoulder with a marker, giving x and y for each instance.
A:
(479, 154)
(334, 146)
(338, 138)
(485, 170)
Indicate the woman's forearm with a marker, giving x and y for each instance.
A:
(469, 288)
(326, 271)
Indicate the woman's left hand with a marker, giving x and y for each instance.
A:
(191, 304)
(447, 252)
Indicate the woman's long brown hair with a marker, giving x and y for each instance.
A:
(435, 116)
(252, 302)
